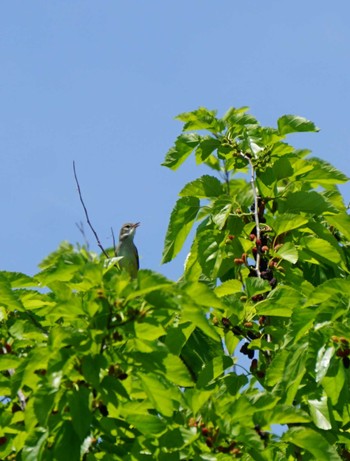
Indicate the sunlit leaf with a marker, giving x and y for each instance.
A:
(184, 145)
(204, 187)
(288, 252)
(228, 288)
(201, 119)
(288, 221)
(294, 123)
(256, 286)
(313, 442)
(181, 222)
(159, 394)
(320, 413)
(341, 222)
(214, 369)
(324, 357)
(308, 202)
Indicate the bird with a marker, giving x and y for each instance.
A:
(127, 249)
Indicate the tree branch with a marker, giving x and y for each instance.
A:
(86, 213)
(256, 212)
(113, 240)
(80, 226)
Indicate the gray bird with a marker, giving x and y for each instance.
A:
(127, 249)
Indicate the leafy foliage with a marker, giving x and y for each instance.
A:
(97, 366)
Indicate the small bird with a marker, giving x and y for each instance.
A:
(127, 249)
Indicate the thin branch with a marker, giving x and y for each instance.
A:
(87, 215)
(80, 226)
(113, 240)
(256, 211)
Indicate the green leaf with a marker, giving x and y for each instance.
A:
(91, 366)
(149, 281)
(280, 302)
(320, 413)
(149, 329)
(202, 295)
(184, 145)
(9, 361)
(282, 168)
(320, 249)
(19, 280)
(293, 123)
(313, 442)
(324, 173)
(206, 148)
(67, 443)
(35, 445)
(229, 287)
(210, 251)
(221, 211)
(288, 252)
(308, 202)
(285, 414)
(9, 297)
(213, 369)
(197, 398)
(159, 394)
(256, 286)
(231, 342)
(78, 401)
(285, 222)
(181, 222)
(24, 329)
(324, 357)
(146, 424)
(201, 119)
(335, 380)
(275, 371)
(177, 372)
(44, 400)
(341, 222)
(177, 336)
(204, 187)
(196, 315)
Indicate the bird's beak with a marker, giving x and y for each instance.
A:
(136, 225)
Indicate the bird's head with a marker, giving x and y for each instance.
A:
(128, 230)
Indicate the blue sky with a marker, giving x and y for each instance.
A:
(101, 82)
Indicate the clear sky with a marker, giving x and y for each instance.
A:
(100, 82)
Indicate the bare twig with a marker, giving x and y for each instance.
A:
(256, 211)
(80, 226)
(113, 240)
(87, 215)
